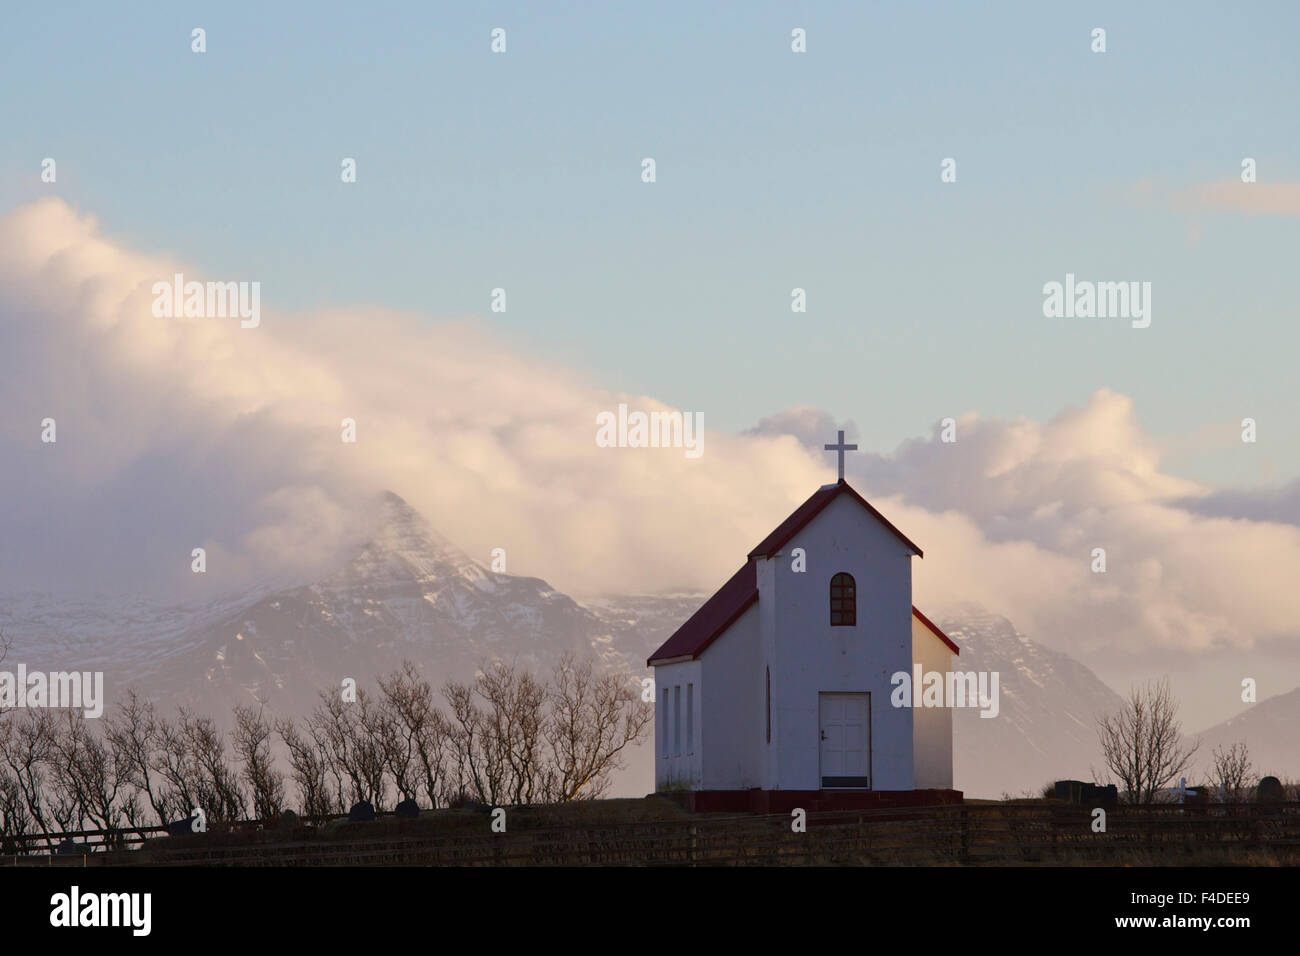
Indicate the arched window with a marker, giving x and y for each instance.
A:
(844, 601)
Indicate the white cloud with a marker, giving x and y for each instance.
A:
(812, 426)
(1012, 511)
(176, 434)
(180, 433)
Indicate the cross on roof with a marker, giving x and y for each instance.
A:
(841, 448)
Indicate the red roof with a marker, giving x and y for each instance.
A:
(810, 509)
(717, 614)
(916, 612)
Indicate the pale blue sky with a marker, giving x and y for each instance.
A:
(775, 170)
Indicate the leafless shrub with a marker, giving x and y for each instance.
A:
(514, 739)
(224, 801)
(86, 774)
(1232, 770)
(178, 795)
(132, 732)
(514, 721)
(349, 736)
(15, 820)
(478, 761)
(1142, 744)
(309, 769)
(252, 737)
(592, 719)
(26, 743)
(415, 734)
(191, 758)
(506, 738)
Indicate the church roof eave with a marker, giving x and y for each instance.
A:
(712, 619)
(933, 628)
(801, 516)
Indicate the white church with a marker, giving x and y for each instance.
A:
(777, 692)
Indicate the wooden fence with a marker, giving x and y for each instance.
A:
(1003, 834)
(122, 838)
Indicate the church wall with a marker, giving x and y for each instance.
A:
(732, 706)
(931, 726)
(810, 656)
(768, 750)
(677, 762)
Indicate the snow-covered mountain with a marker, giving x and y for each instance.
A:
(1271, 730)
(121, 635)
(407, 593)
(1046, 728)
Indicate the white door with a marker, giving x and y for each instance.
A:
(845, 740)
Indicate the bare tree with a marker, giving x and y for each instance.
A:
(309, 768)
(15, 820)
(86, 775)
(252, 736)
(513, 720)
(220, 794)
(479, 764)
(1232, 770)
(511, 738)
(508, 738)
(191, 757)
(26, 742)
(178, 794)
(414, 734)
(370, 731)
(592, 719)
(16, 817)
(132, 732)
(349, 737)
(1142, 744)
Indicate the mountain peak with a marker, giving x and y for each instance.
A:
(392, 505)
(392, 515)
(403, 545)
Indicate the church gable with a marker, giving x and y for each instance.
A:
(802, 516)
(741, 590)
